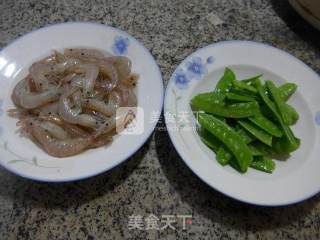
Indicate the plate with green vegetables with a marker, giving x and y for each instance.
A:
(245, 117)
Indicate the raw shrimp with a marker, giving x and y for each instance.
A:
(107, 109)
(40, 70)
(55, 130)
(85, 54)
(72, 102)
(107, 68)
(56, 147)
(73, 130)
(22, 97)
(48, 109)
(91, 74)
(123, 66)
(72, 115)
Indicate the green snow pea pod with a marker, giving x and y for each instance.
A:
(213, 97)
(294, 116)
(254, 150)
(223, 155)
(236, 110)
(260, 163)
(244, 86)
(258, 133)
(285, 145)
(268, 126)
(239, 97)
(247, 137)
(263, 163)
(207, 138)
(225, 82)
(283, 111)
(244, 93)
(286, 90)
(252, 80)
(229, 137)
(265, 149)
(288, 141)
(233, 163)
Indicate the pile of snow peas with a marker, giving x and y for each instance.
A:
(247, 122)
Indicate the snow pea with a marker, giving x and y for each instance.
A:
(280, 104)
(225, 82)
(258, 133)
(239, 97)
(266, 150)
(244, 86)
(252, 80)
(223, 155)
(254, 150)
(247, 137)
(213, 97)
(236, 110)
(288, 142)
(260, 163)
(286, 90)
(294, 116)
(229, 137)
(268, 126)
(263, 163)
(207, 138)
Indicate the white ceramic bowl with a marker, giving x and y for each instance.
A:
(23, 157)
(295, 179)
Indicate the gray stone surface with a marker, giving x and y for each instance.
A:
(155, 180)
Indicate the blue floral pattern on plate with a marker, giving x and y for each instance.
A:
(210, 60)
(181, 78)
(317, 118)
(196, 68)
(120, 45)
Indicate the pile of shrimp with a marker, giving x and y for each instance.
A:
(68, 101)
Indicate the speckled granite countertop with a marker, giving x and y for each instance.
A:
(155, 180)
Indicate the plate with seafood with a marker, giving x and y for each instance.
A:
(76, 100)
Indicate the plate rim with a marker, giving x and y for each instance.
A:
(129, 153)
(181, 152)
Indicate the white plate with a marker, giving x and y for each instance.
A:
(23, 157)
(295, 179)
